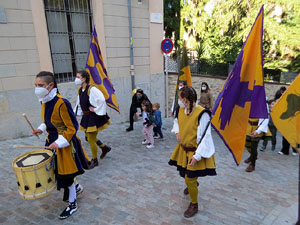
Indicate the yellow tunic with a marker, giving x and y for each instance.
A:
(253, 125)
(188, 125)
(59, 118)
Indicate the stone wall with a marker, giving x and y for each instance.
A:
(215, 84)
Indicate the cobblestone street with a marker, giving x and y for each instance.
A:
(135, 185)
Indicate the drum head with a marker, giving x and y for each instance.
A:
(32, 159)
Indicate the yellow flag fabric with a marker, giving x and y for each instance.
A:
(185, 71)
(286, 113)
(243, 94)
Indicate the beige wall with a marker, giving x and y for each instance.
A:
(156, 37)
(42, 38)
(98, 20)
(25, 50)
(19, 58)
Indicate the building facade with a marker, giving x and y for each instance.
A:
(54, 35)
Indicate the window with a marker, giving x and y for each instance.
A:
(69, 25)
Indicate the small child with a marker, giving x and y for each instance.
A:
(148, 121)
(158, 121)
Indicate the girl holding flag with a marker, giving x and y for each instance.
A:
(91, 104)
(194, 154)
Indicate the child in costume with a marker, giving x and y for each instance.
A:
(191, 126)
(255, 130)
(92, 104)
(148, 122)
(61, 125)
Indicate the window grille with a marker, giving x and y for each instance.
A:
(69, 25)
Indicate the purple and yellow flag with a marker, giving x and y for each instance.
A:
(286, 113)
(243, 94)
(98, 74)
(184, 74)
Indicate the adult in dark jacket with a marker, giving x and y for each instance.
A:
(136, 102)
(279, 92)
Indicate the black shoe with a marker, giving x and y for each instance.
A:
(72, 208)
(129, 129)
(105, 150)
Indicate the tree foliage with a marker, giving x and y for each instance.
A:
(172, 19)
(220, 27)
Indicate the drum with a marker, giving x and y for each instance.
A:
(35, 173)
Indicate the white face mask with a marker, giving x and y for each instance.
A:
(180, 87)
(180, 103)
(41, 92)
(77, 81)
(203, 88)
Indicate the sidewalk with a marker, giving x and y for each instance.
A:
(135, 185)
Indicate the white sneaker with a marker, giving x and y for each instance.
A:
(294, 153)
(150, 146)
(280, 153)
(145, 142)
(155, 137)
(72, 208)
(79, 189)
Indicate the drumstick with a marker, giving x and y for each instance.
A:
(30, 124)
(30, 146)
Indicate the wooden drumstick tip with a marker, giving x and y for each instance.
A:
(27, 120)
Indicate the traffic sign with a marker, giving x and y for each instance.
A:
(167, 45)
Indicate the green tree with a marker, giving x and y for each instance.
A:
(172, 20)
(221, 27)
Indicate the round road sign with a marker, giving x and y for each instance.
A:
(167, 45)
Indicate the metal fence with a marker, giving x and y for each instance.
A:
(69, 24)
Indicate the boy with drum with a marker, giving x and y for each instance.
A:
(61, 126)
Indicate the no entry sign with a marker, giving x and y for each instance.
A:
(167, 45)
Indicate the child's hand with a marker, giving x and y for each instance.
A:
(92, 109)
(53, 146)
(254, 134)
(36, 132)
(178, 137)
(137, 114)
(192, 161)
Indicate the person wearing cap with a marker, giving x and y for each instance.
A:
(136, 102)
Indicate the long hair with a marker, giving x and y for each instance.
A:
(190, 94)
(148, 106)
(207, 88)
(85, 75)
(48, 77)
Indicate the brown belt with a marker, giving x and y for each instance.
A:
(86, 113)
(188, 149)
(253, 123)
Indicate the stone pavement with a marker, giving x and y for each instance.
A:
(134, 185)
